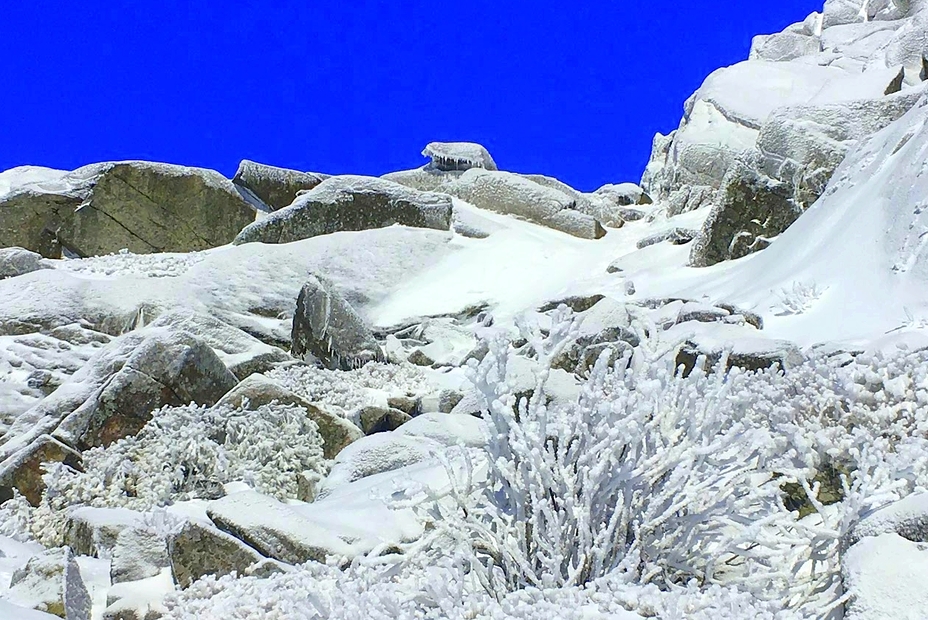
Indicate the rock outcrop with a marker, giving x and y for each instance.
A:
(275, 187)
(51, 582)
(350, 203)
(326, 328)
(140, 206)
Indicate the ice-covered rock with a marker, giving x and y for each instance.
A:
(139, 553)
(17, 261)
(51, 582)
(274, 529)
(448, 156)
(140, 206)
(784, 46)
(275, 187)
(350, 203)
(675, 235)
(447, 429)
(198, 550)
(93, 531)
(257, 390)
(376, 454)
(139, 600)
(744, 347)
(326, 328)
(514, 194)
(907, 517)
(885, 577)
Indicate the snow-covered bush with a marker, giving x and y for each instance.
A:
(798, 298)
(184, 453)
(348, 390)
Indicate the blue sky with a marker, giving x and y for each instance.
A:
(575, 92)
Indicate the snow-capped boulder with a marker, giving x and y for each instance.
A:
(140, 206)
(51, 582)
(257, 390)
(23, 469)
(274, 529)
(242, 353)
(751, 209)
(907, 517)
(168, 367)
(17, 261)
(604, 326)
(675, 235)
(139, 600)
(376, 454)
(784, 46)
(451, 156)
(447, 429)
(93, 531)
(326, 328)
(803, 145)
(139, 553)
(275, 187)
(350, 203)
(513, 194)
(198, 550)
(17, 612)
(884, 577)
(744, 347)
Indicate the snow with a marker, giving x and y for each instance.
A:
(9, 611)
(885, 577)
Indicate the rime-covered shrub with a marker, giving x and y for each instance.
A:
(408, 590)
(669, 480)
(185, 453)
(349, 390)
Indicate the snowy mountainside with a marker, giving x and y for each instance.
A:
(459, 391)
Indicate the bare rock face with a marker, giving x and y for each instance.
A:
(381, 420)
(351, 203)
(51, 582)
(23, 471)
(169, 367)
(197, 550)
(751, 209)
(257, 390)
(140, 206)
(275, 187)
(328, 329)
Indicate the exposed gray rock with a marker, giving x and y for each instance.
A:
(140, 206)
(23, 471)
(380, 420)
(51, 582)
(169, 367)
(420, 358)
(197, 550)
(351, 203)
(18, 261)
(275, 187)
(408, 404)
(258, 390)
(751, 209)
(327, 328)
